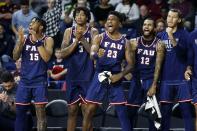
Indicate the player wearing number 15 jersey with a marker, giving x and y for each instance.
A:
(35, 50)
(75, 48)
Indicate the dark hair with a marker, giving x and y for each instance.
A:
(117, 14)
(160, 20)
(42, 22)
(85, 10)
(149, 18)
(180, 15)
(6, 76)
(177, 11)
(24, 2)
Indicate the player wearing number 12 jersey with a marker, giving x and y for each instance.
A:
(75, 48)
(148, 52)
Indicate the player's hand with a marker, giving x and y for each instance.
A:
(101, 52)
(21, 37)
(33, 34)
(188, 74)
(152, 90)
(3, 96)
(79, 34)
(116, 77)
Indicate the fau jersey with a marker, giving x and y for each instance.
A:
(33, 67)
(81, 67)
(145, 58)
(175, 60)
(113, 56)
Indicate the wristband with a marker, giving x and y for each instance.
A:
(39, 43)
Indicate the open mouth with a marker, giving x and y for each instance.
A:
(146, 30)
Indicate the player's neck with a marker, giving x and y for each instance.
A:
(84, 27)
(114, 34)
(59, 60)
(39, 37)
(148, 38)
(174, 29)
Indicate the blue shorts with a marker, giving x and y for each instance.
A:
(194, 90)
(76, 91)
(138, 92)
(98, 91)
(175, 92)
(25, 94)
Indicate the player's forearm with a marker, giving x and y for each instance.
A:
(94, 52)
(126, 70)
(65, 52)
(158, 65)
(17, 50)
(45, 55)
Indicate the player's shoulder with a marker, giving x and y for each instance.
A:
(133, 39)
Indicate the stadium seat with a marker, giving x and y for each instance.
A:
(57, 108)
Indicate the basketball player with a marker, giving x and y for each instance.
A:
(76, 47)
(148, 52)
(191, 71)
(35, 50)
(109, 49)
(174, 87)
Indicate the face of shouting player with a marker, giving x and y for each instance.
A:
(112, 24)
(81, 18)
(148, 28)
(34, 26)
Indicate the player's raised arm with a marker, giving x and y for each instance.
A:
(46, 51)
(96, 51)
(19, 45)
(85, 43)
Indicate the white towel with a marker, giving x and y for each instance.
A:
(104, 77)
(153, 107)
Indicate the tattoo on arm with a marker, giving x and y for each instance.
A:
(129, 55)
(159, 60)
(95, 46)
(66, 48)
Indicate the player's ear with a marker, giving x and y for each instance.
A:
(179, 20)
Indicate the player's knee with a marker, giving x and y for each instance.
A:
(72, 111)
(89, 111)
